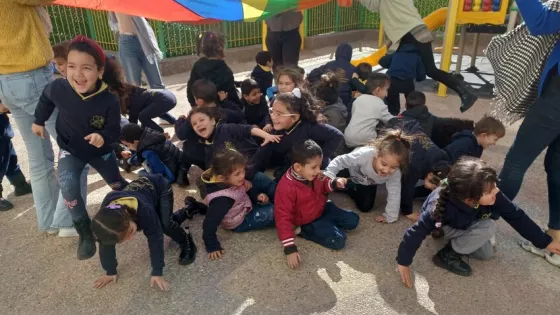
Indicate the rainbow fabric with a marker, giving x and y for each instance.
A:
(196, 11)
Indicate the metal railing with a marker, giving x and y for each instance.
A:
(177, 39)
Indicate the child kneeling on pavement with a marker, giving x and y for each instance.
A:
(301, 201)
(146, 204)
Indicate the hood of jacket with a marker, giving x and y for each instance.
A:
(419, 112)
(464, 134)
(343, 52)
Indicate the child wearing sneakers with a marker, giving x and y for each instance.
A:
(234, 203)
(301, 200)
(146, 204)
(487, 131)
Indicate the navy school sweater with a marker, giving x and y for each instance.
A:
(463, 143)
(231, 136)
(141, 98)
(263, 76)
(460, 216)
(257, 114)
(80, 115)
(150, 219)
(217, 71)
(279, 154)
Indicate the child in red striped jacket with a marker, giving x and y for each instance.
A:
(301, 201)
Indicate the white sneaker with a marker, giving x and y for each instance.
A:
(532, 249)
(68, 232)
(553, 259)
(52, 231)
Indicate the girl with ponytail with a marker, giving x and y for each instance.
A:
(87, 125)
(464, 207)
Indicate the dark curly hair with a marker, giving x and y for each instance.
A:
(469, 178)
(395, 142)
(226, 161)
(211, 45)
(328, 90)
(306, 105)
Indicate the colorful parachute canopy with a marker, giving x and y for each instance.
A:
(198, 11)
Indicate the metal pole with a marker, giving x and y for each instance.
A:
(475, 49)
(462, 41)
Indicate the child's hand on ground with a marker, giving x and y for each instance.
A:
(126, 154)
(105, 280)
(248, 185)
(380, 218)
(160, 282)
(222, 95)
(270, 138)
(293, 260)
(216, 255)
(554, 247)
(268, 128)
(341, 182)
(263, 198)
(405, 275)
(95, 140)
(38, 131)
(414, 216)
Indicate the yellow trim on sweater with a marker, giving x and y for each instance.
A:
(265, 68)
(130, 202)
(24, 45)
(103, 87)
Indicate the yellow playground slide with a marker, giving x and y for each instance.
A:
(433, 21)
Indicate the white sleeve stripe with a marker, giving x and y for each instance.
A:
(289, 244)
(288, 240)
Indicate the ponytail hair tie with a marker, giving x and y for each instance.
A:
(114, 206)
(297, 92)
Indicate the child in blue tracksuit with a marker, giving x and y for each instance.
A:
(404, 66)
(9, 166)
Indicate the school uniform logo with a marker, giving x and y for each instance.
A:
(97, 122)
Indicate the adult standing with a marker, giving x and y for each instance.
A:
(25, 57)
(283, 39)
(526, 62)
(402, 23)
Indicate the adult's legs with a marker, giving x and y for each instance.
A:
(274, 45)
(290, 48)
(20, 93)
(363, 196)
(152, 72)
(393, 99)
(130, 53)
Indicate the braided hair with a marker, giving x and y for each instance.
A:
(111, 222)
(469, 178)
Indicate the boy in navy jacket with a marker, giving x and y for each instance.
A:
(262, 73)
(254, 104)
(487, 131)
(404, 66)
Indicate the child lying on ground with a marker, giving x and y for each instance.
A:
(301, 201)
(234, 203)
(146, 204)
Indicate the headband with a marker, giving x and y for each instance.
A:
(92, 44)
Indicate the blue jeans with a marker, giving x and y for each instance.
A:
(69, 168)
(539, 130)
(20, 93)
(262, 215)
(134, 61)
(326, 230)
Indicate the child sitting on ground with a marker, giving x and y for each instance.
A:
(333, 109)
(487, 131)
(439, 129)
(262, 73)
(233, 202)
(367, 111)
(156, 153)
(287, 79)
(254, 104)
(301, 200)
(384, 161)
(294, 115)
(359, 79)
(404, 66)
(468, 202)
(211, 66)
(60, 57)
(146, 204)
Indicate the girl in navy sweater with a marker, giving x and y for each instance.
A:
(145, 105)
(294, 116)
(233, 202)
(146, 204)
(467, 203)
(88, 123)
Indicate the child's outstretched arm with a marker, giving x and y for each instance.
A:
(346, 161)
(217, 210)
(108, 258)
(412, 239)
(284, 208)
(393, 198)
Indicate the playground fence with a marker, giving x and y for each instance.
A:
(177, 39)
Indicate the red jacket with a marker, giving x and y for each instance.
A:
(297, 203)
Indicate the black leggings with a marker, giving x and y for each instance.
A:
(397, 87)
(427, 56)
(363, 196)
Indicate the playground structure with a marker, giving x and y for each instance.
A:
(458, 12)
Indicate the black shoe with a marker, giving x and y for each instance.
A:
(86, 243)
(22, 187)
(5, 205)
(449, 259)
(200, 207)
(183, 177)
(188, 251)
(191, 208)
(123, 163)
(467, 97)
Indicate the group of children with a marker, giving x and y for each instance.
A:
(315, 142)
